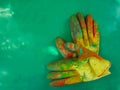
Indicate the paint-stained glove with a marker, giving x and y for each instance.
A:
(84, 33)
(89, 66)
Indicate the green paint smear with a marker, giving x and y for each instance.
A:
(94, 45)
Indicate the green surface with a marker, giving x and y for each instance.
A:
(27, 41)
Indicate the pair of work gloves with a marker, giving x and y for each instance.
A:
(81, 61)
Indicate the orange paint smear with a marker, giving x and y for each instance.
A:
(87, 53)
(61, 83)
(104, 71)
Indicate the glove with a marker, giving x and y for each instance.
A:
(89, 66)
(84, 33)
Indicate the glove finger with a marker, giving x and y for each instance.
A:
(96, 36)
(71, 46)
(74, 48)
(95, 28)
(61, 65)
(60, 75)
(76, 31)
(96, 32)
(83, 26)
(66, 81)
(61, 47)
(89, 23)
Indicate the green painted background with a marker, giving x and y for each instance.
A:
(27, 41)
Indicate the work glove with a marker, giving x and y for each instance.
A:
(84, 33)
(89, 66)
